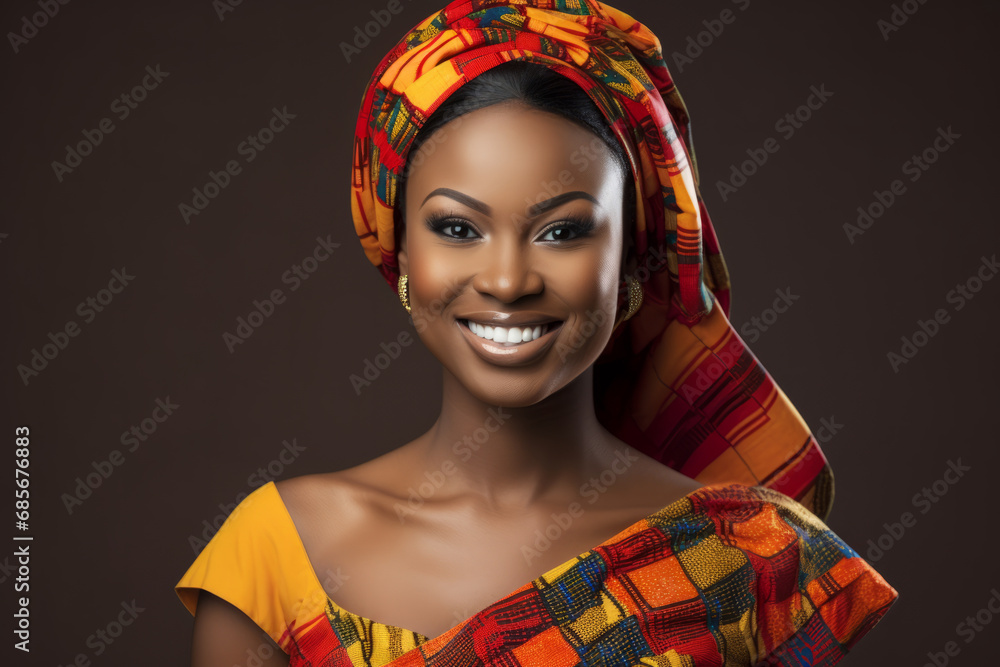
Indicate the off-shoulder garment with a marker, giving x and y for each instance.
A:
(727, 575)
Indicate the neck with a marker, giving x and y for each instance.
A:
(515, 456)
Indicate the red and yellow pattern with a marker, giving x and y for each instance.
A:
(728, 575)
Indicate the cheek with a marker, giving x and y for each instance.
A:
(592, 281)
(589, 291)
(433, 283)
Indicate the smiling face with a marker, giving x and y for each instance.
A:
(513, 247)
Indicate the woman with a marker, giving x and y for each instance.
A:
(613, 478)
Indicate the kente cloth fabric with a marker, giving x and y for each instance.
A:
(742, 571)
(675, 381)
(727, 575)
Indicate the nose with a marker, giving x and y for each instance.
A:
(508, 272)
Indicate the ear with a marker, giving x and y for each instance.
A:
(401, 257)
(629, 260)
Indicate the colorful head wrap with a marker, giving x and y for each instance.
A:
(675, 381)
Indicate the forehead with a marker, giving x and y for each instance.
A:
(511, 149)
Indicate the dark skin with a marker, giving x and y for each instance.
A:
(470, 539)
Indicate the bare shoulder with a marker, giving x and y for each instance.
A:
(650, 482)
(353, 495)
(304, 494)
(668, 477)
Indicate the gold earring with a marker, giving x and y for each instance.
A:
(634, 296)
(403, 288)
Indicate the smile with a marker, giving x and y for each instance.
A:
(509, 346)
(509, 335)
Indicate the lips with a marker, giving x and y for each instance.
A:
(510, 334)
(505, 352)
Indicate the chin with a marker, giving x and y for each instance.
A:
(509, 391)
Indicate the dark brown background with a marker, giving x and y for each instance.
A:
(162, 336)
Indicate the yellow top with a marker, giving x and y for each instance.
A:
(239, 563)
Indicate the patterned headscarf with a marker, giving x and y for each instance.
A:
(675, 381)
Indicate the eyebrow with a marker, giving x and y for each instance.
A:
(533, 210)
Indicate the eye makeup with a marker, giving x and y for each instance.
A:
(579, 224)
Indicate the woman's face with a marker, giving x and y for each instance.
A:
(513, 232)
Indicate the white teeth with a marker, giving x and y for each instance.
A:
(508, 334)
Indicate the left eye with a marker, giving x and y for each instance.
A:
(455, 230)
(562, 233)
(569, 229)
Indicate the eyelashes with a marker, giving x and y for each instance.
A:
(577, 224)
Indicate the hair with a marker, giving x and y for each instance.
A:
(538, 87)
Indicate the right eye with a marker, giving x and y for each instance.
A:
(452, 227)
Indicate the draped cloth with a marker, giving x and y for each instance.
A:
(675, 381)
(742, 571)
(728, 575)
